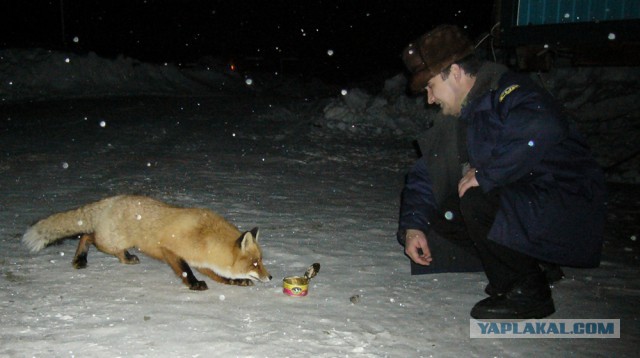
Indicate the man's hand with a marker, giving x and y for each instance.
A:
(469, 180)
(416, 239)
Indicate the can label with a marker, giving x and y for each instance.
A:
(295, 286)
(295, 291)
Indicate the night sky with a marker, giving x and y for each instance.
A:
(363, 36)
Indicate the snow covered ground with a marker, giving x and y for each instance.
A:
(318, 171)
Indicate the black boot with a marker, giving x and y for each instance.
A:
(528, 298)
(552, 272)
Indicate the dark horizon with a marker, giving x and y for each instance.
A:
(348, 37)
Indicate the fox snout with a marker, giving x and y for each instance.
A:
(262, 278)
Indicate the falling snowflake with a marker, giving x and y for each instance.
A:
(448, 215)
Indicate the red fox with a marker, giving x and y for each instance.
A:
(181, 237)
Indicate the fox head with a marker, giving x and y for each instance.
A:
(248, 263)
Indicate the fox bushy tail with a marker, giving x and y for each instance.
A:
(61, 225)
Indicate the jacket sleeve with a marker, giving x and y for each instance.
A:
(417, 201)
(530, 126)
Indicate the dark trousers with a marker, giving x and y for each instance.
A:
(471, 217)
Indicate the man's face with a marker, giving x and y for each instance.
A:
(445, 93)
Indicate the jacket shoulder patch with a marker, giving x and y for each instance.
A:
(507, 91)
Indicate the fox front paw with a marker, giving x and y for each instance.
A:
(80, 262)
(131, 259)
(241, 282)
(199, 286)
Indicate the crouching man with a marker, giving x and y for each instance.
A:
(528, 193)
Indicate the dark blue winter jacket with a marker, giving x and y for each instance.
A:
(522, 145)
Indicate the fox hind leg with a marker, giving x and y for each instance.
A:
(228, 281)
(126, 258)
(119, 251)
(86, 240)
(80, 258)
(182, 269)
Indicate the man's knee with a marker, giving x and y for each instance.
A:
(473, 200)
(478, 207)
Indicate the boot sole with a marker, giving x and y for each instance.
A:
(538, 312)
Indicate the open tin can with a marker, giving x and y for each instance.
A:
(298, 286)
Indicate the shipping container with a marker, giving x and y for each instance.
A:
(578, 32)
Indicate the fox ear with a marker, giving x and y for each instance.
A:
(248, 238)
(255, 232)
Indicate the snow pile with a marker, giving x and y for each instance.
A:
(605, 102)
(390, 112)
(37, 74)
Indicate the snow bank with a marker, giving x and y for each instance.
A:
(389, 112)
(37, 74)
(605, 102)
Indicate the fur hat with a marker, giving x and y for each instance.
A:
(433, 52)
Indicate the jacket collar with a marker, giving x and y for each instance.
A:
(487, 80)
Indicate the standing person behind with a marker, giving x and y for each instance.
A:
(531, 192)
